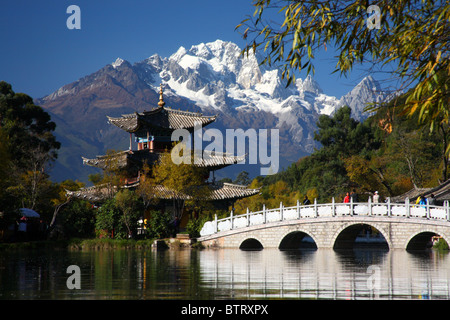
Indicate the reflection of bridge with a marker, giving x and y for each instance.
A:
(324, 274)
(331, 225)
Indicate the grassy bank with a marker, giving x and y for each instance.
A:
(109, 244)
(90, 244)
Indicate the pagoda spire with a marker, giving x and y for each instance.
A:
(161, 102)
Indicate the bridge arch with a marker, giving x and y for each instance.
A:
(344, 237)
(251, 244)
(421, 240)
(295, 239)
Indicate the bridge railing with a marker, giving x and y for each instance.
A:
(333, 209)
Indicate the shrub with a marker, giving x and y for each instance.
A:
(159, 225)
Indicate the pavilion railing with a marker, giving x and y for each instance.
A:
(333, 209)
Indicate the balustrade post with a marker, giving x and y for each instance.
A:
(370, 206)
(351, 207)
(316, 213)
(389, 213)
(408, 208)
(333, 207)
(215, 223)
(298, 209)
(447, 209)
(428, 210)
(231, 219)
(248, 217)
(264, 214)
(281, 211)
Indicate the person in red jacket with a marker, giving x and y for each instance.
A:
(347, 198)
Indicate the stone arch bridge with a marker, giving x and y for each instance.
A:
(332, 225)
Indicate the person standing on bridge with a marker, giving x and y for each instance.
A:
(306, 201)
(347, 198)
(432, 200)
(376, 197)
(354, 196)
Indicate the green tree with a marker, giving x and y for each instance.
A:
(78, 219)
(107, 220)
(29, 128)
(413, 35)
(342, 135)
(132, 208)
(31, 148)
(243, 178)
(159, 224)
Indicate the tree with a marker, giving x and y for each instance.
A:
(130, 205)
(369, 173)
(342, 135)
(253, 203)
(186, 182)
(60, 199)
(412, 34)
(417, 154)
(107, 220)
(78, 219)
(159, 224)
(31, 148)
(5, 166)
(243, 178)
(29, 128)
(146, 189)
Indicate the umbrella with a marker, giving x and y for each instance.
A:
(29, 213)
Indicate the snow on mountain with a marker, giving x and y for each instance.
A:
(215, 75)
(365, 92)
(117, 63)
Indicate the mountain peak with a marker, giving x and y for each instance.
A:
(117, 63)
(368, 90)
(309, 85)
(370, 83)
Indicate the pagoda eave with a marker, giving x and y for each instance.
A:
(225, 191)
(120, 160)
(160, 119)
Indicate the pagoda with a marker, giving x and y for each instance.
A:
(152, 131)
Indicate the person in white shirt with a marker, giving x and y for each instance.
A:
(376, 197)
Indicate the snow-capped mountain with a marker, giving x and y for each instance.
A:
(215, 75)
(210, 77)
(367, 91)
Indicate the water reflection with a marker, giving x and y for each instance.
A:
(326, 274)
(227, 274)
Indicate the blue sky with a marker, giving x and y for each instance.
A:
(39, 54)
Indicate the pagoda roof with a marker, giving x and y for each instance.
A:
(216, 160)
(160, 119)
(95, 193)
(219, 191)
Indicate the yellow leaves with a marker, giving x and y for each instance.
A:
(312, 194)
(181, 178)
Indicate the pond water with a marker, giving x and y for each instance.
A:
(226, 274)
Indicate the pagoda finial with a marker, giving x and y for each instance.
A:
(161, 102)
